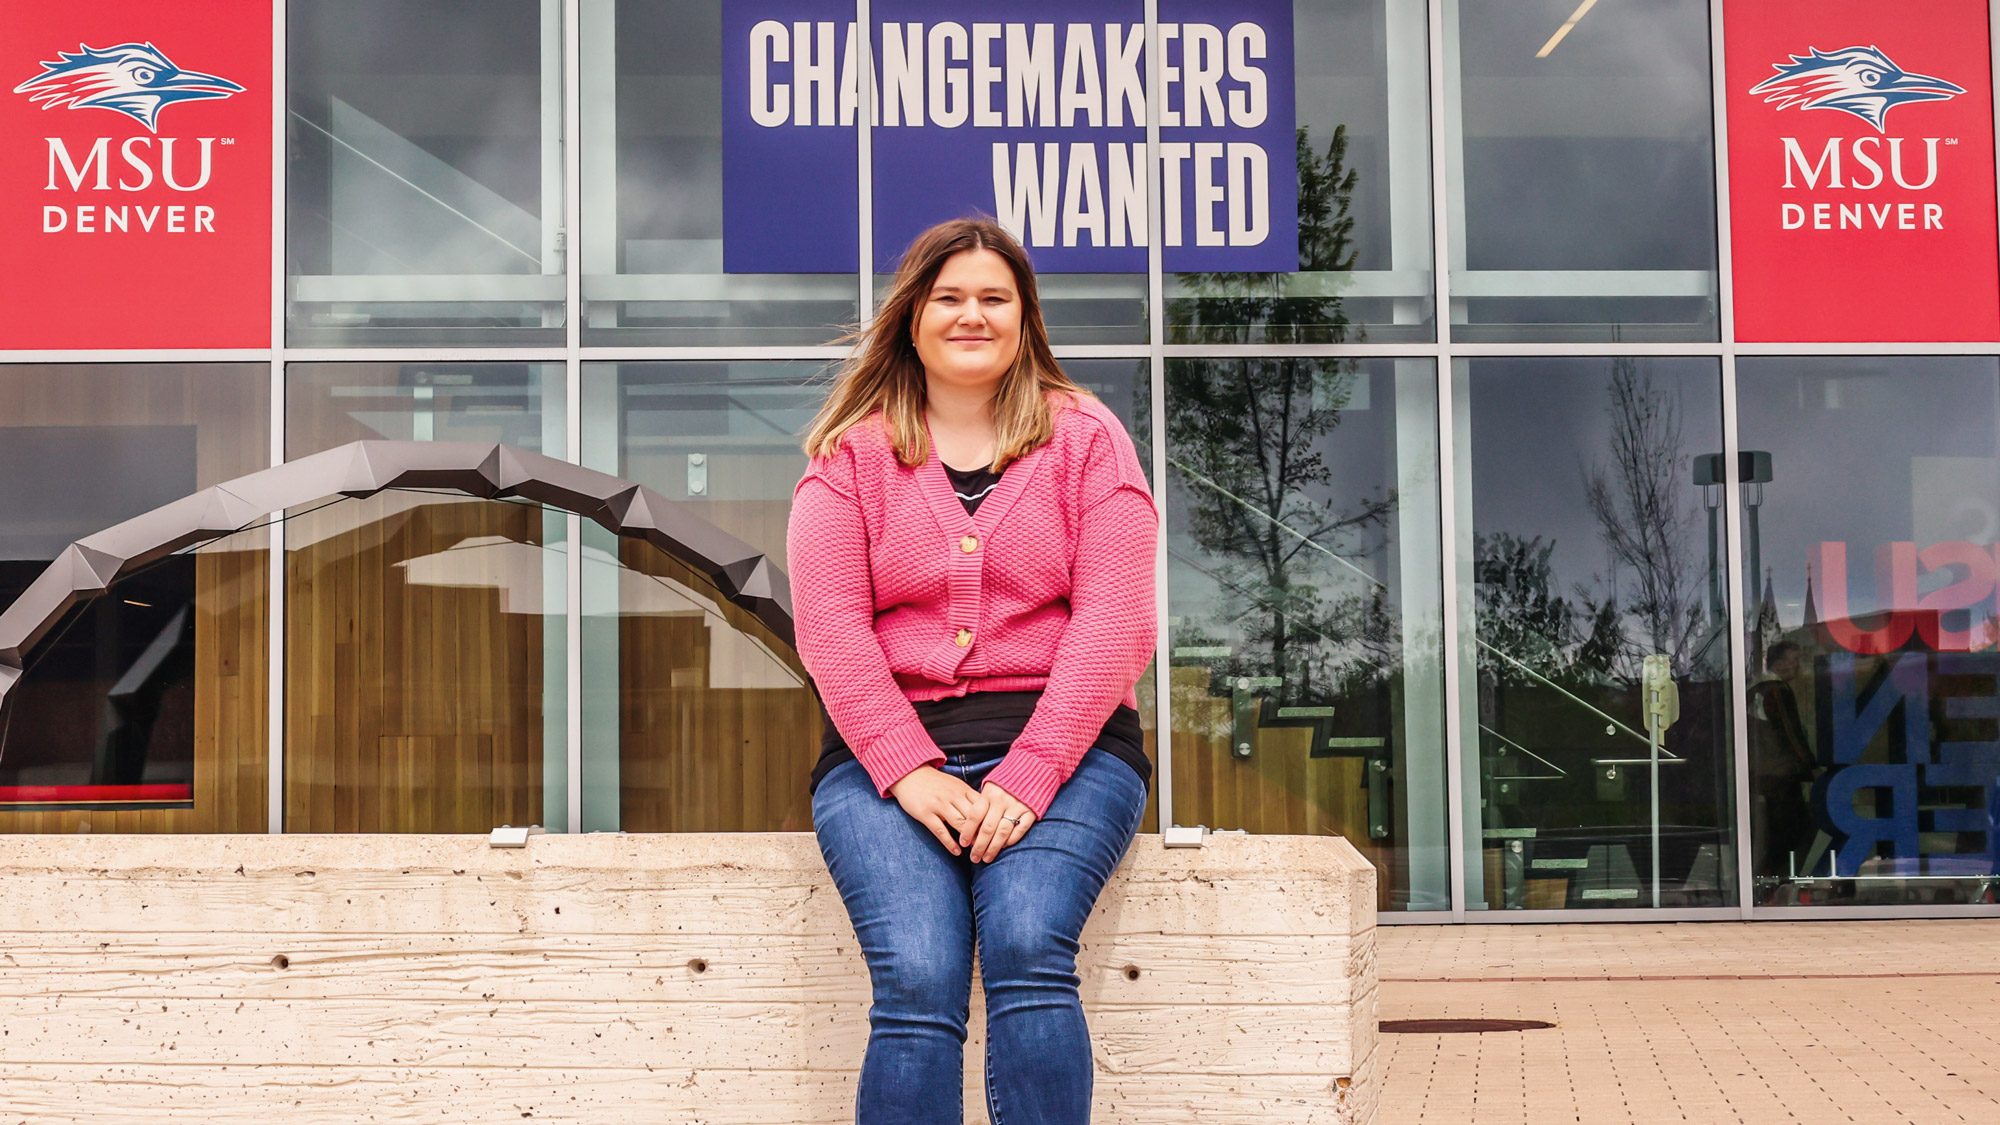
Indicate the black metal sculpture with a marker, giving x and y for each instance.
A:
(88, 567)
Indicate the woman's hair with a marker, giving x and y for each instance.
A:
(884, 372)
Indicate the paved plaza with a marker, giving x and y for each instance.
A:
(1703, 1022)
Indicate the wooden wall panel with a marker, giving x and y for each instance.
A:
(414, 707)
(695, 754)
(229, 406)
(760, 523)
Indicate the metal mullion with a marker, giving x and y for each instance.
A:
(274, 661)
(137, 355)
(1597, 914)
(1102, 351)
(722, 353)
(1422, 349)
(572, 117)
(1454, 687)
(1448, 176)
(1739, 673)
(1739, 703)
(864, 154)
(1860, 913)
(1697, 914)
(1156, 336)
(1586, 348)
(427, 354)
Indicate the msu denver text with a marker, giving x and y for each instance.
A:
(147, 160)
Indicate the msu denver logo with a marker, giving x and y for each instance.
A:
(134, 79)
(1857, 80)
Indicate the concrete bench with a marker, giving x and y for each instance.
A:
(613, 978)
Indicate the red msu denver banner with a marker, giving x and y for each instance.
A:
(1861, 180)
(135, 174)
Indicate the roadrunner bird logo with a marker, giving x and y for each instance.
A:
(134, 79)
(1857, 80)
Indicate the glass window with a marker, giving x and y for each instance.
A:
(657, 84)
(425, 636)
(1364, 193)
(424, 147)
(1590, 554)
(696, 718)
(1583, 207)
(144, 710)
(1871, 509)
(1305, 607)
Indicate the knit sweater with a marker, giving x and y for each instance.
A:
(900, 596)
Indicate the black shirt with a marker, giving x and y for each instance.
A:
(982, 726)
(972, 485)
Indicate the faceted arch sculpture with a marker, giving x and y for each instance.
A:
(88, 567)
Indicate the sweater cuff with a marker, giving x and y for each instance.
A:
(1028, 779)
(891, 757)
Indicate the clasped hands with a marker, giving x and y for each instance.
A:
(984, 821)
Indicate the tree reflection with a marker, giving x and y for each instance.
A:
(1641, 497)
(1642, 504)
(1527, 632)
(1248, 436)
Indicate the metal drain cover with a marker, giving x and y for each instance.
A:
(1456, 1027)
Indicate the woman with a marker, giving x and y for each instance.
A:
(972, 571)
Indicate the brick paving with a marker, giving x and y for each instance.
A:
(1703, 1022)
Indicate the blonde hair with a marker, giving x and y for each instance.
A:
(884, 373)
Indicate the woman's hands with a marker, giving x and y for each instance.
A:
(987, 821)
(1006, 820)
(950, 808)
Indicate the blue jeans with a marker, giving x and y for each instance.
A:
(917, 909)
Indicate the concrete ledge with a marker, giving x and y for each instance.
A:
(655, 978)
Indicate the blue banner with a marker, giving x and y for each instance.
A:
(1037, 119)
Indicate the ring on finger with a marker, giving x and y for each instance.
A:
(1010, 820)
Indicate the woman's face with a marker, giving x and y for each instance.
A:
(968, 330)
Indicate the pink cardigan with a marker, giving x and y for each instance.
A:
(901, 597)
